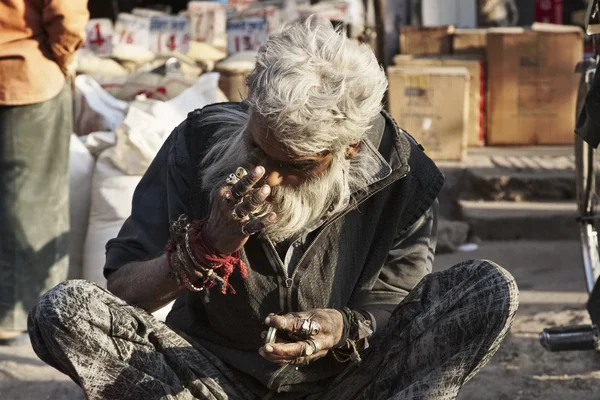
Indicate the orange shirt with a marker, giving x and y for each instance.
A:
(38, 40)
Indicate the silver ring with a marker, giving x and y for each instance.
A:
(240, 172)
(240, 214)
(235, 215)
(314, 328)
(305, 327)
(244, 231)
(232, 179)
(271, 335)
(229, 198)
(312, 347)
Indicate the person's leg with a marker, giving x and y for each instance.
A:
(34, 204)
(447, 328)
(117, 351)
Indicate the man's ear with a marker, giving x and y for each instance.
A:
(352, 150)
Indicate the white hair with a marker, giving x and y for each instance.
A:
(316, 88)
(316, 91)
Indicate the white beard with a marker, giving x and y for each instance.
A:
(300, 208)
(297, 208)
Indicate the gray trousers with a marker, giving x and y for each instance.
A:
(437, 338)
(34, 203)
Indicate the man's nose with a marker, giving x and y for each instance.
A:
(273, 178)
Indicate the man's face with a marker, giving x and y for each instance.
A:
(283, 167)
(304, 188)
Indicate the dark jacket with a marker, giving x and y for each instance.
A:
(359, 257)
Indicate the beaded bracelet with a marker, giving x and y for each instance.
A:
(178, 268)
(196, 255)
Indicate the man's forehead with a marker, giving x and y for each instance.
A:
(271, 144)
(267, 140)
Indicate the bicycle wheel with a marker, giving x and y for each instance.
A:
(587, 198)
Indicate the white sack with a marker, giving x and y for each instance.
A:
(81, 168)
(97, 142)
(111, 195)
(88, 63)
(149, 122)
(152, 85)
(95, 109)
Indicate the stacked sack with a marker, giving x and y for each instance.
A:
(107, 165)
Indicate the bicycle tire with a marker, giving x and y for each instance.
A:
(587, 198)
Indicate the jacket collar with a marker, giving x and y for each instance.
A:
(387, 146)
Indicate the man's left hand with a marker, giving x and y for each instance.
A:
(317, 331)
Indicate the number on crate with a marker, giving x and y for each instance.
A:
(98, 40)
(243, 43)
(126, 37)
(171, 43)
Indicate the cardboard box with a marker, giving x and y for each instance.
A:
(469, 42)
(423, 41)
(475, 65)
(432, 105)
(532, 87)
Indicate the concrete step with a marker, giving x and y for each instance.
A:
(506, 220)
(498, 185)
(516, 173)
(534, 174)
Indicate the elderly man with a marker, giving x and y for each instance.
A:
(296, 231)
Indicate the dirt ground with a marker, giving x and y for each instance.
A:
(552, 293)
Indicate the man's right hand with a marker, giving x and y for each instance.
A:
(230, 223)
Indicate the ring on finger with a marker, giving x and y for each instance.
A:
(229, 198)
(243, 186)
(232, 179)
(311, 346)
(245, 231)
(272, 333)
(239, 213)
(305, 327)
(240, 172)
(314, 328)
(255, 199)
(240, 188)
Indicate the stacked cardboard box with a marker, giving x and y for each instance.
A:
(442, 40)
(432, 104)
(532, 87)
(422, 41)
(469, 42)
(475, 65)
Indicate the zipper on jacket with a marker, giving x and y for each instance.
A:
(402, 176)
(275, 260)
(277, 377)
